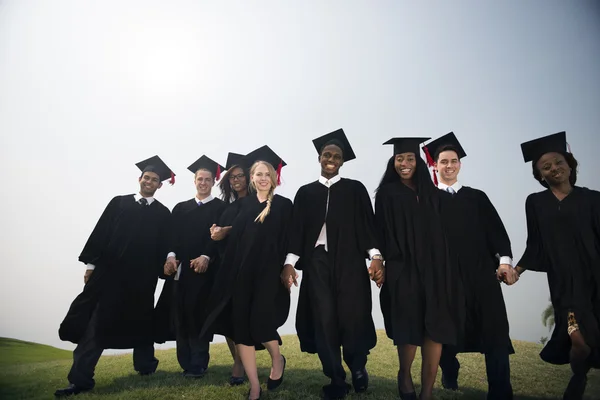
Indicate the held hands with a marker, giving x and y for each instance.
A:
(86, 276)
(507, 274)
(170, 266)
(289, 277)
(376, 272)
(199, 265)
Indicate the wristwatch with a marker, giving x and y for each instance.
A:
(377, 257)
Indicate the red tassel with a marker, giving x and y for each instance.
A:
(172, 180)
(430, 163)
(279, 172)
(218, 176)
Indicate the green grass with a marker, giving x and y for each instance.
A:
(33, 371)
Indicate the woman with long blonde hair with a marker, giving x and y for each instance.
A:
(249, 301)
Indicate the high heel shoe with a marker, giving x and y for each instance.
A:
(273, 384)
(406, 396)
(259, 394)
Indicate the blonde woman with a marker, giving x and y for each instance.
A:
(249, 301)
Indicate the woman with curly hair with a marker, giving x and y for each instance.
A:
(563, 240)
(418, 298)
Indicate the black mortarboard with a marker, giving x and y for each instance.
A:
(448, 139)
(234, 159)
(407, 144)
(206, 163)
(156, 165)
(534, 149)
(337, 138)
(265, 153)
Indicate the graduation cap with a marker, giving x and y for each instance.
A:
(208, 164)
(265, 153)
(156, 165)
(534, 149)
(337, 138)
(234, 159)
(407, 144)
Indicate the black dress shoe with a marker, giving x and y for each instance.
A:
(195, 374)
(360, 381)
(336, 392)
(450, 384)
(236, 380)
(273, 384)
(70, 390)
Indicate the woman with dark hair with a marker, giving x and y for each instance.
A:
(418, 296)
(234, 186)
(563, 240)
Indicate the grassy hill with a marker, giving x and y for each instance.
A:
(34, 371)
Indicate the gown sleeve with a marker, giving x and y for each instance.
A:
(365, 220)
(284, 234)
(296, 227)
(164, 242)
(534, 257)
(384, 219)
(496, 235)
(100, 237)
(595, 200)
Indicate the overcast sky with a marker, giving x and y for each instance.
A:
(89, 88)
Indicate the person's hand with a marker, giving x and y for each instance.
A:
(170, 266)
(376, 272)
(199, 265)
(507, 274)
(289, 277)
(87, 275)
(217, 233)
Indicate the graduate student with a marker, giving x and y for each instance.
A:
(124, 257)
(419, 294)
(194, 277)
(234, 186)
(563, 240)
(332, 233)
(480, 248)
(250, 302)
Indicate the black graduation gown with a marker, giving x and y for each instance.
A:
(563, 240)
(128, 248)
(190, 239)
(350, 234)
(419, 296)
(476, 235)
(248, 300)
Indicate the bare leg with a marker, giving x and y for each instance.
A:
(406, 356)
(238, 369)
(430, 353)
(276, 359)
(248, 357)
(580, 351)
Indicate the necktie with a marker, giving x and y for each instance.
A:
(450, 190)
(199, 203)
(143, 201)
